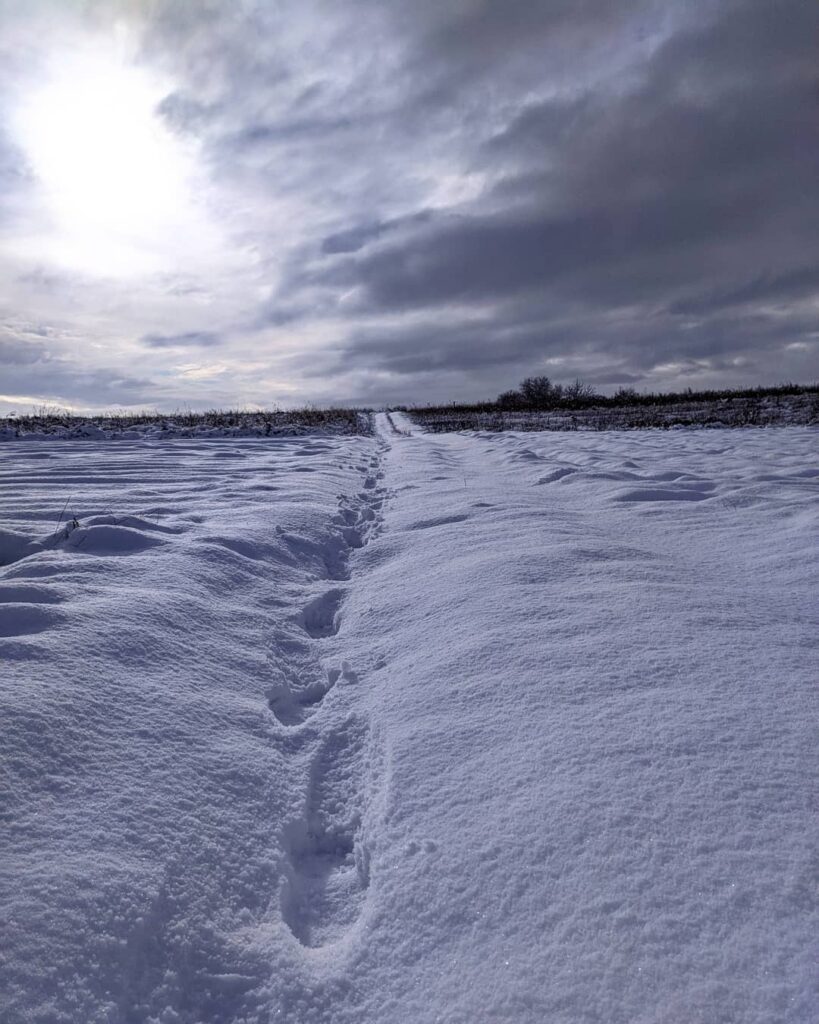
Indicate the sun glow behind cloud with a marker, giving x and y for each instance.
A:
(116, 187)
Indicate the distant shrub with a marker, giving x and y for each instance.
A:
(540, 392)
(543, 393)
(511, 400)
(578, 391)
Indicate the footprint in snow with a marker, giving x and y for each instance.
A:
(321, 617)
(661, 494)
(327, 867)
(427, 524)
(291, 706)
(557, 474)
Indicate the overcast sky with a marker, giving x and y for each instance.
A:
(254, 202)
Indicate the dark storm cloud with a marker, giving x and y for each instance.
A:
(190, 339)
(435, 348)
(768, 288)
(636, 341)
(473, 258)
(690, 193)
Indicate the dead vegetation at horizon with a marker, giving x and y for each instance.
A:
(578, 408)
(261, 423)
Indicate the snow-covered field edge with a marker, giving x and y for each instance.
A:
(745, 411)
(128, 427)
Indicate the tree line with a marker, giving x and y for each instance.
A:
(541, 392)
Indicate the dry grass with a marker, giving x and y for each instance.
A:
(788, 405)
(262, 423)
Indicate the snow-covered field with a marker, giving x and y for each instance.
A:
(410, 728)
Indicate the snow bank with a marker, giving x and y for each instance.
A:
(452, 728)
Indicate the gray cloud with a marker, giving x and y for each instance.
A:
(29, 369)
(802, 283)
(352, 239)
(689, 194)
(17, 352)
(190, 339)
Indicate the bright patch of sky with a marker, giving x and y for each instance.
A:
(115, 191)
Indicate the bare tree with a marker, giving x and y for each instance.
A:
(578, 390)
(540, 392)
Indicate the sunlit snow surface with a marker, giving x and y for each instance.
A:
(457, 728)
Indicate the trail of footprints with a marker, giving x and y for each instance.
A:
(326, 868)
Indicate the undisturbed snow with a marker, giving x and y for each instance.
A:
(455, 728)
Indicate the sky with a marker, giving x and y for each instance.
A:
(263, 203)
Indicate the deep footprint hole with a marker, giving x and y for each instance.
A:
(321, 617)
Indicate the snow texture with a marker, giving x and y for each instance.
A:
(480, 727)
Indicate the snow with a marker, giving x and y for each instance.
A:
(409, 728)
